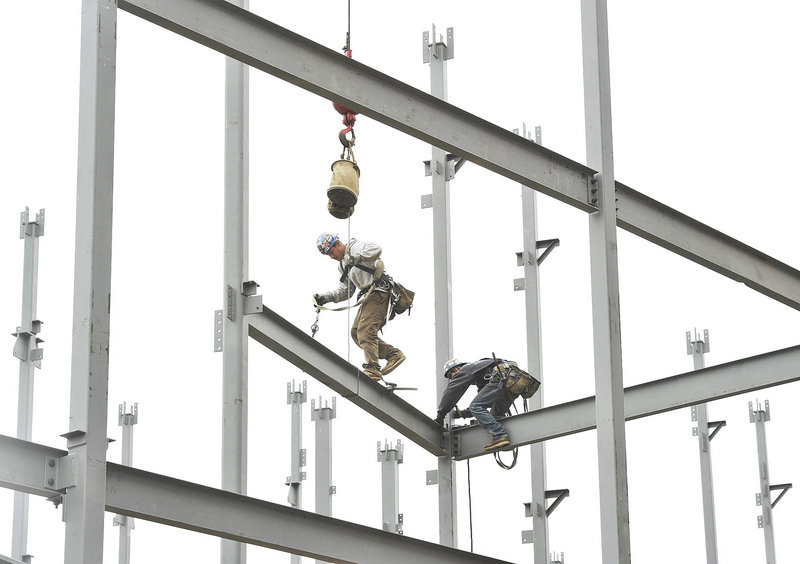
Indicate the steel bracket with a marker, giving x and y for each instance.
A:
(701, 347)
(252, 301)
(431, 477)
(31, 228)
(783, 487)
(219, 326)
(558, 495)
(60, 473)
(448, 49)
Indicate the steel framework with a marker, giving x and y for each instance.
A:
(90, 485)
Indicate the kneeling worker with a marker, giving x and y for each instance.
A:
(499, 383)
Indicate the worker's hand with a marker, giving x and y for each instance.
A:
(321, 299)
(462, 413)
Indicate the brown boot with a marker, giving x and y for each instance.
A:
(394, 360)
(373, 372)
(497, 442)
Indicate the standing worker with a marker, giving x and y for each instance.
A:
(360, 266)
(499, 383)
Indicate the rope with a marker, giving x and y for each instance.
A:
(469, 494)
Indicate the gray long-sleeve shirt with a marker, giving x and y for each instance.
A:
(358, 252)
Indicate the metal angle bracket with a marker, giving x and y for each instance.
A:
(292, 395)
(428, 47)
(252, 302)
(383, 455)
(703, 346)
(125, 418)
(31, 228)
(522, 257)
(783, 487)
(59, 474)
(431, 477)
(218, 330)
(558, 495)
(323, 412)
(763, 415)
(527, 536)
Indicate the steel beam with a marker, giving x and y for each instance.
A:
(30, 355)
(304, 63)
(437, 53)
(177, 503)
(235, 399)
(697, 349)
(207, 510)
(698, 386)
(610, 404)
(91, 319)
(318, 361)
(291, 57)
(679, 233)
(533, 331)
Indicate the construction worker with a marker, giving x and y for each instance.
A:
(360, 266)
(492, 400)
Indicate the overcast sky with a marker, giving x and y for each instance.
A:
(705, 121)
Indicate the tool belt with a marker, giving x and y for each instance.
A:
(517, 381)
(400, 298)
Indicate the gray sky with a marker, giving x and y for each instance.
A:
(705, 120)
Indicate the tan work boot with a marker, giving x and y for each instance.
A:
(395, 359)
(497, 442)
(373, 373)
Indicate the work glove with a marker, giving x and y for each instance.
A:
(462, 413)
(321, 299)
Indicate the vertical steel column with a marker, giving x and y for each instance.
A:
(436, 53)
(323, 458)
(234, 350)
(614, 515)
(697, 349)
(126, 524)
(764, 498)
(296, 398)
(26, 349)
(534, 339)
(390, 458)
(84, 506)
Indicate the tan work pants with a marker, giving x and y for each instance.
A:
(371, 317)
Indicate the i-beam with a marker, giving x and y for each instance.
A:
(270, 48)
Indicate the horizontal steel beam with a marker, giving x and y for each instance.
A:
(177, 503)
(651, 398)
(24, 467)
(231, 30)
(318, 361)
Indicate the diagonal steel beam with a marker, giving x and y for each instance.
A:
(261, 44)
(177, 503)
(318, 361)
(691, 388)
(275, 50)
(679, 233)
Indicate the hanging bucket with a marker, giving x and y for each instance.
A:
(343, 191)
(338, 211)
